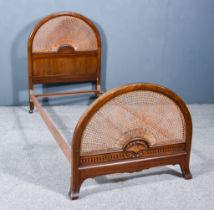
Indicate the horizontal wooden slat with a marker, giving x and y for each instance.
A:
(63, 79)
(122, 155)
(67, 93)
(130, 165)
(63, 54)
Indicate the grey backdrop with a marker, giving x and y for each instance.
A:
(170, 42)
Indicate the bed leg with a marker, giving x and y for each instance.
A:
(31, 106)
(185, 170)
(74, 189)
(99, 90)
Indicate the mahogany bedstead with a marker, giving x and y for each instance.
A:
(127, 129)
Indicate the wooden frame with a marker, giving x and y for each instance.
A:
(65, 65)
(137, 154)
(95, 165)
(83, 167)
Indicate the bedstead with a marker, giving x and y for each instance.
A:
(127, 129)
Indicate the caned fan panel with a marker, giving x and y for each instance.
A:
(64, 30)
(140, 114)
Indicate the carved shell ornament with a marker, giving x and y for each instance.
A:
(136, 147)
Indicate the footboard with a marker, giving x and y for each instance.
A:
(128, 129)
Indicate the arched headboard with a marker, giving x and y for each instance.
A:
(64, 47)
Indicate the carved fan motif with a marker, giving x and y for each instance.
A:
(136, 146)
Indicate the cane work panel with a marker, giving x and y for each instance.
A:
(145, 115)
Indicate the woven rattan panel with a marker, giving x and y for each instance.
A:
(64, 30)
(140, 114)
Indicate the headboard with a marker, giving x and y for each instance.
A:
(64, 47)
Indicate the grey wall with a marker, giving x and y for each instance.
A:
(170, 42)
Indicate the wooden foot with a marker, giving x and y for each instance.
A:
(30, 111)
(186, 171)
(31, 105)
(74, 188)
(73, 195)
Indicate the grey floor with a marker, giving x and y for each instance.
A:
(35, 175)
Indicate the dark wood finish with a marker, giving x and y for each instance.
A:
(66, 67)
(56, 134)
(135, 151)
(128, 166)
(137, 155)
(66, 93)
(67, 64)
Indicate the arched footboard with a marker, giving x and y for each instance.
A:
(131, 128)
